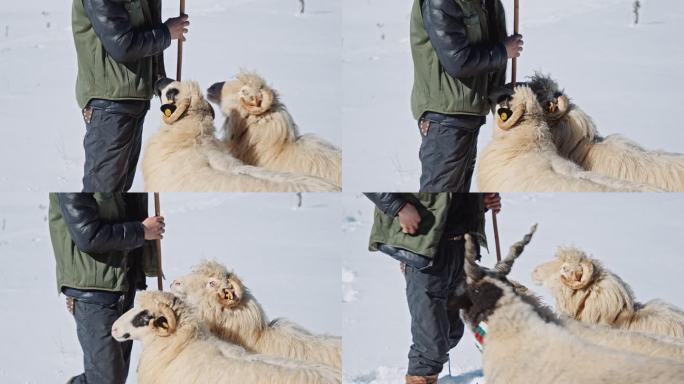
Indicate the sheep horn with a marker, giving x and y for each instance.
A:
(504, 266)
(263, 107)
(170, 317)
(513, 120)
(181, 107)
(472, 270)
(563, 104)
(587, 275)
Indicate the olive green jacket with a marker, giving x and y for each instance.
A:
(433, 209)
(434, 90)
(119, 51)
(107, 271)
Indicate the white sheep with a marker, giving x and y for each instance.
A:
(260, 131)
(522, 156)
(177, 348)
(185, 155)
(586, 291)
(524, 344)
(578, 139)
(234, 315)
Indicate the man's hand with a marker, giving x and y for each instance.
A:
(492, 201)
(154, 227)
(70, 304)
(514, 46)
(178, 27)
(409, 219)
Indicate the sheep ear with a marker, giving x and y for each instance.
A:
(578, 280)
(165, 323)
(172, 112)
(506, 122)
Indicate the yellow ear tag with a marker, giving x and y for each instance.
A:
(504, 113)
(168, 109)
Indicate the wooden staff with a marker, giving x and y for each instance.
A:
(516, 27)
(160, 274)
(179, 59)
(496, 236)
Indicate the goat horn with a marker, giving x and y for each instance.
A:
(504, 266)
(472, 270)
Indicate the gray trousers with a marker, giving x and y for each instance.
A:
(112, 144)
(436, 325)
(105, 360)
(448, 151)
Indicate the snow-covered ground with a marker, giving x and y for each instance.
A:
(40, 122)
(638, 236)
(626, 77)
(287, 256)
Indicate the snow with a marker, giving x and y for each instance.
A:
(285, 255)
(637, 236)
(298, 54)
(626, 77)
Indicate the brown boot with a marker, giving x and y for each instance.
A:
(421, 379)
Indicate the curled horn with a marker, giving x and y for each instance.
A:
(472, 270)
(181, 106)
(584, 280)
(266, 101)
(504, 266)
(168, 314)
(563, 104)
(513, 120)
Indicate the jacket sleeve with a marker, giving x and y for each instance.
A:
(121, 41)
(90, 233)
(445, 25)
(388, 203)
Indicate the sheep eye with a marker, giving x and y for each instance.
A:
(212, 284)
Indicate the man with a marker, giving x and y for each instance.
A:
(460, 51)
(426, 231)
(119, 47)
(103, 251)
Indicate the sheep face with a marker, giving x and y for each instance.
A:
(570, 269)
(180, 99)
(152, 316)
(210, 281)
(248, 94)
(552, 99)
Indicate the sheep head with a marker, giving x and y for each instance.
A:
(485, 287)
(571, 268)
(248, 93)
(520, 107)
(180, 99)
(551, 97)
(155, 314)
(211, 281)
